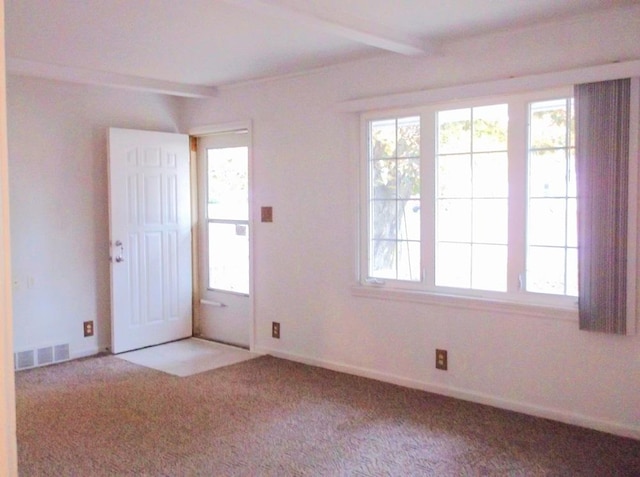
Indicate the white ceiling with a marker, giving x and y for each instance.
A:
(192, 43)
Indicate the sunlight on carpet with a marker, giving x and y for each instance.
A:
(187, 357)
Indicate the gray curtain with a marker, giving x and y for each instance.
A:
(602, 167)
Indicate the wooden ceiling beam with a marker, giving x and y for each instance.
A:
(358, 33)
(18, 66)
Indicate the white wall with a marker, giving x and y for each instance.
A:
(59, 210)
(306, 167)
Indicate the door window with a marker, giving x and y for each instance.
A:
(228, 219)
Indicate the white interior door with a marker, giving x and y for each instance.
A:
(225, 237)
(150, 237)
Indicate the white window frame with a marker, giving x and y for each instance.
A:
(425, 290)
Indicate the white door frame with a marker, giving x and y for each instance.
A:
(199, 132)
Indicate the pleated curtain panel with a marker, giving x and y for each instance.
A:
(602, 168)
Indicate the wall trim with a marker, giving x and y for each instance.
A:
(498, 86)
(240, 127)
(576, 419)
(506, 307)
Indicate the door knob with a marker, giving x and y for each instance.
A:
(120, 256)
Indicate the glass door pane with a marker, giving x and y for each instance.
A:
(228, 185)
(229, 257)
(228, 219)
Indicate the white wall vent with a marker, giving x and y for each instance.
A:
(61, 352)
(41, 356)
(25, 359)
(45, 355)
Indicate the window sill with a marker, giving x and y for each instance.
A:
(552, 312)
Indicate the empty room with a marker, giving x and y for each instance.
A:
(292, 238)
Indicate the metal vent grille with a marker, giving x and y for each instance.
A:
(45, 355)
(41, 356)
(25, 359)
(61, 352)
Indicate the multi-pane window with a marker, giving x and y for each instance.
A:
(552, 247)
(394, 198)
(472, 191)
(475, 199)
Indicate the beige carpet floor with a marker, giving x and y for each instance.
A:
(187, 357)
(269, 417)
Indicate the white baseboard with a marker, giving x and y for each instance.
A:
(611, 427)
(85, 353)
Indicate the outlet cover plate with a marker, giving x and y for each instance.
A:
(88, 328)
(266, 214)
(441, 359)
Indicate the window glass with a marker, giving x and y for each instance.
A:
(228, 185)
(228, 219)
(394, 199)
(228, 250)
(471, 203)
(552, 204)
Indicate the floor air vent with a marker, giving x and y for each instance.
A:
(45, 356)
(61, 353)
(25, 359)
(41, 356)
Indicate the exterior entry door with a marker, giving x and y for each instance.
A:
(150, 238)
(225, 237)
